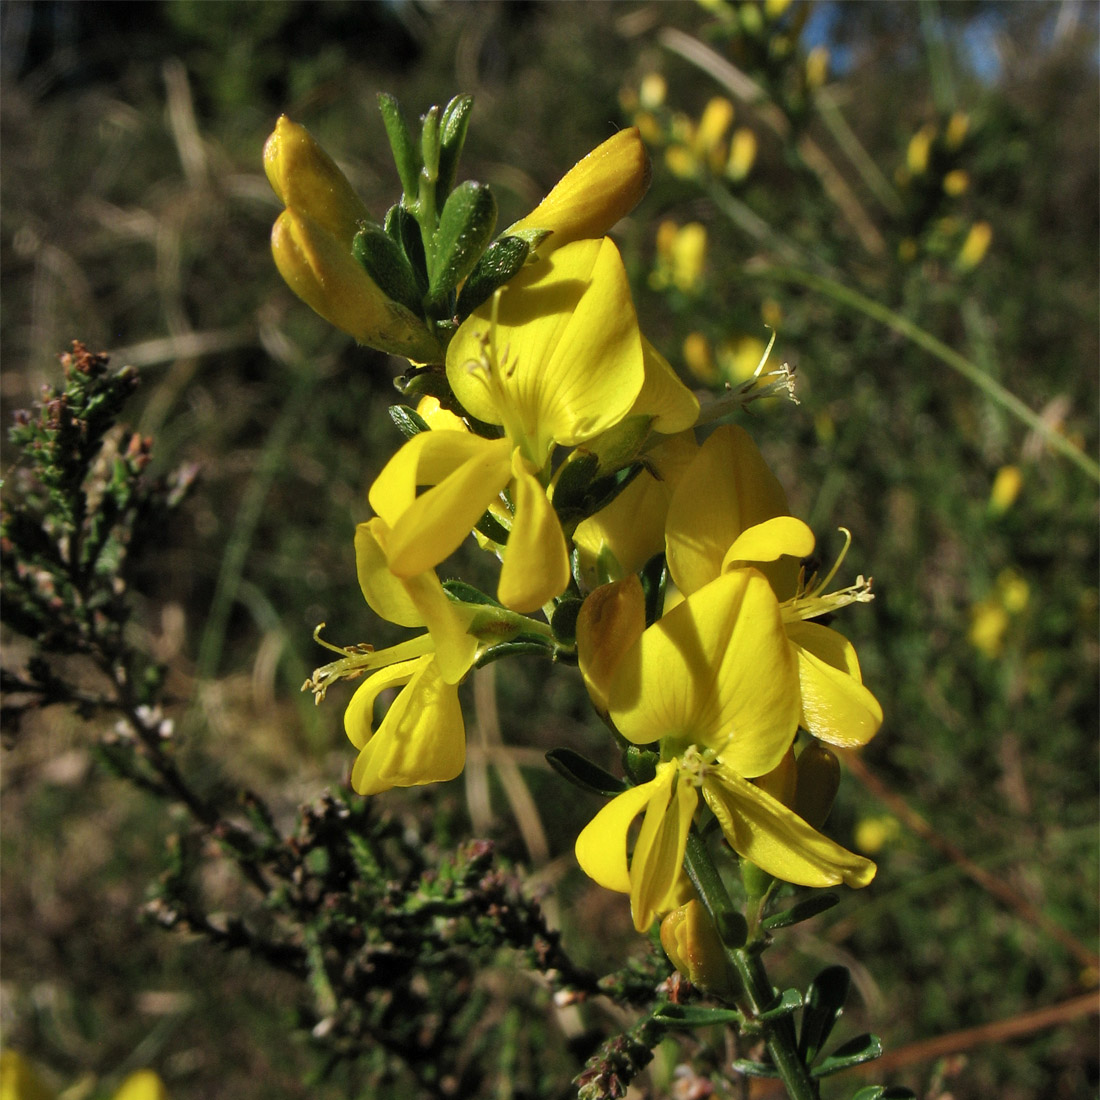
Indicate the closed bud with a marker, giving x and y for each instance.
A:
(818, 782)
(307, 179)
(595, 193)
(693, 946)
(327, 277)
(313, 242)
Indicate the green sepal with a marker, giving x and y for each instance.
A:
(654, 578)
(824, 1003)
(405, 155)
(467, 593)
(757, 882)
(804, 910)
(452, 135)
(563, 622)
(492, 529)
(405, 230)
(531, 645)
(678, 1015)
(385, 262)
(855, 1052)
(572, 482)
(500, 262)
(533, 237)
(583, 773)
(754, 1069)
(604, 490)
(409, 422)
(425, 382)
(790, 1000)
(641, 764)
(465, 228)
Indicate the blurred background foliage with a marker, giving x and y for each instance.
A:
(134, 215)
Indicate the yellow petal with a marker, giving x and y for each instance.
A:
(305, 177)
(326, 276)
(19, 1080)
(386, 594)
(595, 193)
(419, 600)
(535, 568)
(426, 459)
(657, 864)
(632, 527)
(142, 1085)
(611, 620)
(673, 407)
(359, 715)
(770, 540)
(568, 348)
(776, 839)
(717, 671)
(434, 525)
(836, 707)
(421, 740)
(727, 489)
(602, 845)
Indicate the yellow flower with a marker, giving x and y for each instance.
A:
(715, 683)
(554, 358)
(681, 256)
(312, 240)
(18, 1081)
(743, 519)
(422, 737)
(594, 194)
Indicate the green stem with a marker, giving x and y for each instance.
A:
(845, 296)
(779, 1034)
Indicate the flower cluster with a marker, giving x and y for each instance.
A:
(540, 422)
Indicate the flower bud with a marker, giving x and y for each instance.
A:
(818, 782)
(307, 180)
(312, 243)
(595, 193)
(693, 946)
(328, 278)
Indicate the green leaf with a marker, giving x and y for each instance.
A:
(405, 230)
(452, 136)
(677, 1015)
(804, 910)
(467, 593)
(409, 422)
(500, 262)
(385, 262)
(754, 1069)
(824, 1003)
(465, 229)
(583, 773)
(429, 145)
(789, 1001)
(405, 155)
(884, 1092)
(857, 1051)
(531, 645)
